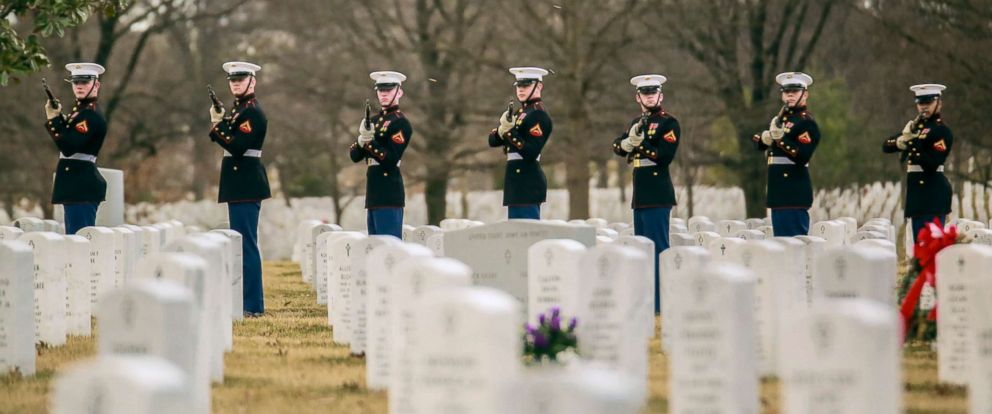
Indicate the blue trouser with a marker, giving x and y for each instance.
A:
(79, 215)
(652, 222)
(244, 220)
(788, 222)
(524, 212)
(385, 221)
(920, 221)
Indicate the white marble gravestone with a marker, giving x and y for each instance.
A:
(815, 246)
(341, 250)
(961, 269)
(122, 385)
(10, 233)
(681, 239)
(704, 238)
(676, 263)
(299, 247)
(190, 270)
(611, 314)
(311, 250)
(776, 295)
(17, 329)
(79, 288)
(226, 276)
(407, 233)
(843, 356)
(698, 224)
(49, 286)
(497, 253)
(553, 277)
(436, 244)
(729, 228)
(713, 366)
(216, 310)
(30, 224)
(380, 265)
(855, 272)
(422, 233)
(414, 277)
(980, 329)
(237, 271)
(833, 231)
(154, 317)
(151, 240)
(358, 300)
(123, 253)
(103, 265)
(467, 352)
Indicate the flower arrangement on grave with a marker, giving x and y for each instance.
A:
(918, 292)
(549, 341)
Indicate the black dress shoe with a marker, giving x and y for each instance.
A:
(254, 314)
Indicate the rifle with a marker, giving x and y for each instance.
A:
(916, 123)
(509, 111)
(218, 106)
(52, 100)
(778, 118)
(368, 115)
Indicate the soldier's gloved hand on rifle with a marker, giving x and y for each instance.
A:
(774, 130)
(365, 135)
(215, 115)
(635, 137)
(766, 137)
(505, 125)
(51, 112)
(907, 135)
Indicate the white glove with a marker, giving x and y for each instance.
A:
(773, 125)
(366, 133)
(776, 134)
(902, 142)
(50, 112)
(215, 115)
(633, 137)
(908, 129)
(626, 145)
(504, 124)
(766, 137)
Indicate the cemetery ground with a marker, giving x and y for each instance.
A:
(286, 362)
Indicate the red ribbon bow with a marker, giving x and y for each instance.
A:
(931, 240)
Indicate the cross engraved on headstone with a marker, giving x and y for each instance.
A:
(678, 262)
(449, 321)
(601, 266)
(746, 258)
(822, 337)
(390, 261)
(548, 256)
(507, 255)
(961, 264)
(127, 309)
(700, 289)
(347, 249)
(723, 250)
(368, 248)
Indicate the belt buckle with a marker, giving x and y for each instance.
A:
(368, 161)
(770, 161)
(637, 162)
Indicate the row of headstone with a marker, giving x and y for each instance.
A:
(840, 356)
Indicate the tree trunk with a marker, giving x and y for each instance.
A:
(435, 190)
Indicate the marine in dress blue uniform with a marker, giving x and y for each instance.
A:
(522, 136)
(790, 141)
(243, 181)
(924, 144)
(380, 145)
(79, 187)
(649, 146)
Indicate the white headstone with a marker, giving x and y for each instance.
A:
(467, 352)
(226, 276)
(190, 270)
(407, 233)
(122, 385)
(358, 301)
(698, 224)
(833, 231)
(10, 233)
(49, 286)
(299, 247)
(553, 277)
(30, 224)
(729, 228)
(237, 271)
(704, 238)
(341, 250)
(311, 249)
(497, 253)
(611, 319)
(855, 272)
(380, 265)
(681, 239)
(776, 295)
(815, 246)
(151, 240)
(713, 368)
(154, 317)
(17, 329)
(422, 233)
(412, 279)
(980, 329)
(676, 263)
(843, 356)
(960, 270)
(123, 255)
(103, 264)
(79, 288)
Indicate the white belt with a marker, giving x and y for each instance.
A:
(372, 161)
(511, 156)
(248, 153)
(642, 162)
(79, 156)
(782, 161)
(917, 168)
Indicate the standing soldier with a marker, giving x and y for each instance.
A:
(924, 144)
(381, 142)
(79, 187)
(243, 181)
(649, 146)
(790, 141)
(522, 135)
